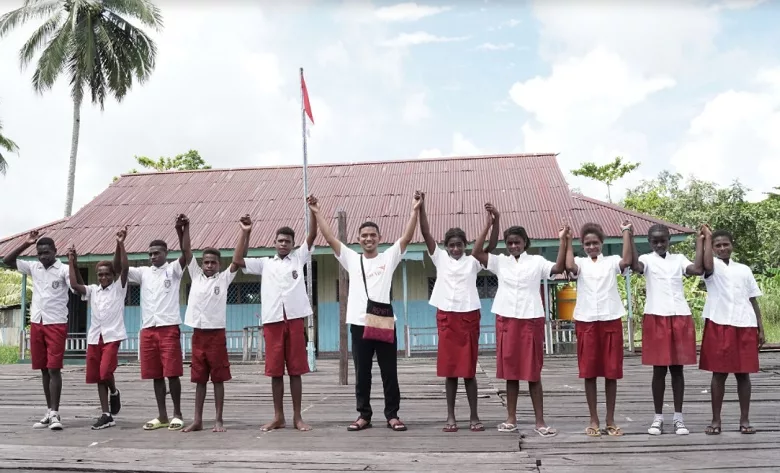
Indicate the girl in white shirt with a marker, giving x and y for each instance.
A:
(520, 319)
(733, 330)
(668, 329)
(458, 306)
(598, 319)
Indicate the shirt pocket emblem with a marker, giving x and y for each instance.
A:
(295, 274)
(55, 284)
(216, 290)
(167, 284)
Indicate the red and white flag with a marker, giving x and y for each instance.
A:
(306, 105)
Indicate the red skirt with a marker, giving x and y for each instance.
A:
(729, 349)
(600, 349)
(668, 340)
(519, 348)
(458, 344)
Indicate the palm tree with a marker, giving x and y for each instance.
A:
(8, 145)
(91, 42)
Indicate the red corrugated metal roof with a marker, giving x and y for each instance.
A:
(528, 189)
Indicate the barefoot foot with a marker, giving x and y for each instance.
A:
(194, 427)
(302, 426)
(273, 425)
(218, 427)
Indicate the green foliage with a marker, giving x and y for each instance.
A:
(189, 161)
(607, 174)
(9, 355)
(11, 288)
(7, 145)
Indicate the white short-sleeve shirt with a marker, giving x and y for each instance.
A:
(159, 293)
(283, 287)
(379, 279)
(729, 289)
(50, 291)
(207, 304)
(455, 289)
(598, 298)
(518, 294)
(664, 278)
(107, 312)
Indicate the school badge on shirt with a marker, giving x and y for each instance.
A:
(167, 284)
(216, 290)
(295, 274)
(55, 284)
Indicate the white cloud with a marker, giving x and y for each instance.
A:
(408, 12)
(420, 37)
(416, 109)
(460, 146)
(496, 47)
(511, 23)
(740, 4)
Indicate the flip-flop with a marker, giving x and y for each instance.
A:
(747, 429)
(593, 432)
(614, 431)
(176, 424)
(155, 424)
(398, 426)
(505, 427)
(710, 430)
(450, 428)
(546, 431)
(477, 427)
(355, 426)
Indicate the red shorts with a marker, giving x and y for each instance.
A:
(519, 348)
(209, 356)
(668, 340)
(458, 344)
(285, 343)
(729, 349)
(600, 348)
(102, 361)
(47, 345)
(161, 352)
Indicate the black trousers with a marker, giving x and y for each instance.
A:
(363, 357)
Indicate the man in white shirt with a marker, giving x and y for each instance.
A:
(160, 337)
(370, 279)
(106, 327)
(207, 315)
(48, 319)
(285, 306)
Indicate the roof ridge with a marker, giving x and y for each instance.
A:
(612, 206)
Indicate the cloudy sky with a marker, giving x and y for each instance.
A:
(692, 87)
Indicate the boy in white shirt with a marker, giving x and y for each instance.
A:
(160, 337)
(458, 307)
(207, 315)
(598, 318)
(48, 319)
(369, 312)
(106, 327)
(668, 328)
(733, 329)
(285, 306)
(520, 319)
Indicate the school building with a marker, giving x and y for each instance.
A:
(528, 189)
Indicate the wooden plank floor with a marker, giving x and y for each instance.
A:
(328, 407)
(572, 451)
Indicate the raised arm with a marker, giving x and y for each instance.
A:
(628, 238)
(75, 284)
(183, 231)
(560, 261)
(636, 265)
(571, 266)
(121, 264)
(242, 246)
(10, 259)
(479, 245)
(425, 229)
(697, 268)
(493, 242)
(323, 226)
(312, 229)
(411, 225)
(707, 262)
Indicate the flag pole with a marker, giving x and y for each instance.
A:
(309, 279)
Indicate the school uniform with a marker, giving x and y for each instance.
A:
(668, 329)
(207, 315)
(730, 340)
(106, 330)
(519, 315)
(598, 314)
(379, 279)
(48, 312)
(284, 309)
(160, 339)
(457, 314)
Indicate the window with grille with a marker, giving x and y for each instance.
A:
(486, 286)
(238, 293)
(133, 295)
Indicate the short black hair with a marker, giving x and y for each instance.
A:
(105, 264)
(659, 228)
(455, 233)
(519, 231)
(286, 231)
(45, 241)
(591, 228)
(722, 233)
(159, 243)
(212, 251)
(368, 223)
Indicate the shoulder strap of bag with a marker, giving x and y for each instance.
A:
(363, 271)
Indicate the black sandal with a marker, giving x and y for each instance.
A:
(710, 430)
(398, 426)
(747, 429)
(356, 426)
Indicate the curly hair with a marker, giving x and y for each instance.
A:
(592, 229)
(518, 231)
(723, 233)
(455, 233)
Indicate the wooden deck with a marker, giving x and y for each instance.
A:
(330, 407)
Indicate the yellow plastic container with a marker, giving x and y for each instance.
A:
(567, 299)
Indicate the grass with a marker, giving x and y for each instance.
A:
(8, 355)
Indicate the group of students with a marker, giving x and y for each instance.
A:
(733, 329)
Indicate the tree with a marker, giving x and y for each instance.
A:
(9, 146)
(188, 161)
(608, 173)
(11, 288)
(92, 42)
